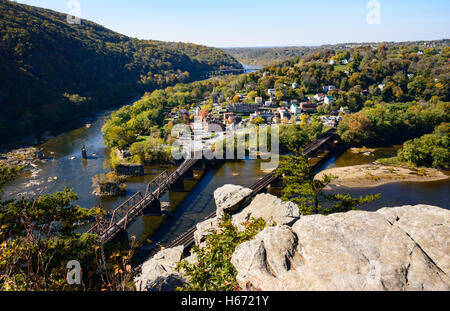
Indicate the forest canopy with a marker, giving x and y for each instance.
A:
(52, 72)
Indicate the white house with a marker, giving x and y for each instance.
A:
(271, 92)
(328, 88)
(295, 85)
(295, 109)
(344, 62)
(381, 86)
(328, 100)
(332, 62)
(258, 100)
(319, 97)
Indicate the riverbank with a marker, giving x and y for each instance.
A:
(373, 175)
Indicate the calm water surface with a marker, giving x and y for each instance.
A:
(394, 194)
(66, 169)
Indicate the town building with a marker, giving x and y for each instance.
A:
(295, 109)
(242, 107)
(271, 92)
(328, 100)
(308, 107)
(319, 97)
(328, 88)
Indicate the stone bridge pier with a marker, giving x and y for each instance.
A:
(153, 209)
(121, 238)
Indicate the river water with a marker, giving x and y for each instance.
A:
(394, 194)
(65, 168)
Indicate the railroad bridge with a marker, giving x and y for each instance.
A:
(107, 227)
(113, 226)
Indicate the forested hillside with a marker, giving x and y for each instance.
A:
(394, 92)
(52, 72)
(266, 56)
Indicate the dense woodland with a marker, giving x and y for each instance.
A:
(267, 56)
(52, 72)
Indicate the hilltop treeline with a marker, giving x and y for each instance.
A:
(267, 56)
(52, 72)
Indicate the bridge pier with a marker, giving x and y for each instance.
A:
(177, 185)
(121, 238)
(153, 209)
(189, 174)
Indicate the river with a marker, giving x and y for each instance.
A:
(66, 169)
(394, 194)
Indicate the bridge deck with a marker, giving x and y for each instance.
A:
(187, 238)
(125, 215)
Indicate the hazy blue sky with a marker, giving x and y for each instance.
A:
(265, 23)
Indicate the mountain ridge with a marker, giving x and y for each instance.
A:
(52, 72)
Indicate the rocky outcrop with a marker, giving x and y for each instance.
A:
(233, 200)
(269, 208)
(402, 248)
(204, 229)
(159, 274)
(109, 189)
(230, 199)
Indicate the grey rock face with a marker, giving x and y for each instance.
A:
(403, 248)
(159, 274)
(271, 209)
(230, 198)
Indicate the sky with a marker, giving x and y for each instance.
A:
(252, 23)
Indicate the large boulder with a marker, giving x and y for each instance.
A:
(271, 209)
(403, 248)
(159, 274)
(230, 199)
(262, 259)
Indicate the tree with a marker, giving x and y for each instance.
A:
(214, 270)
(258, 121)
(430, 150)
(304, 189)
(355, 128)
(38, 239)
